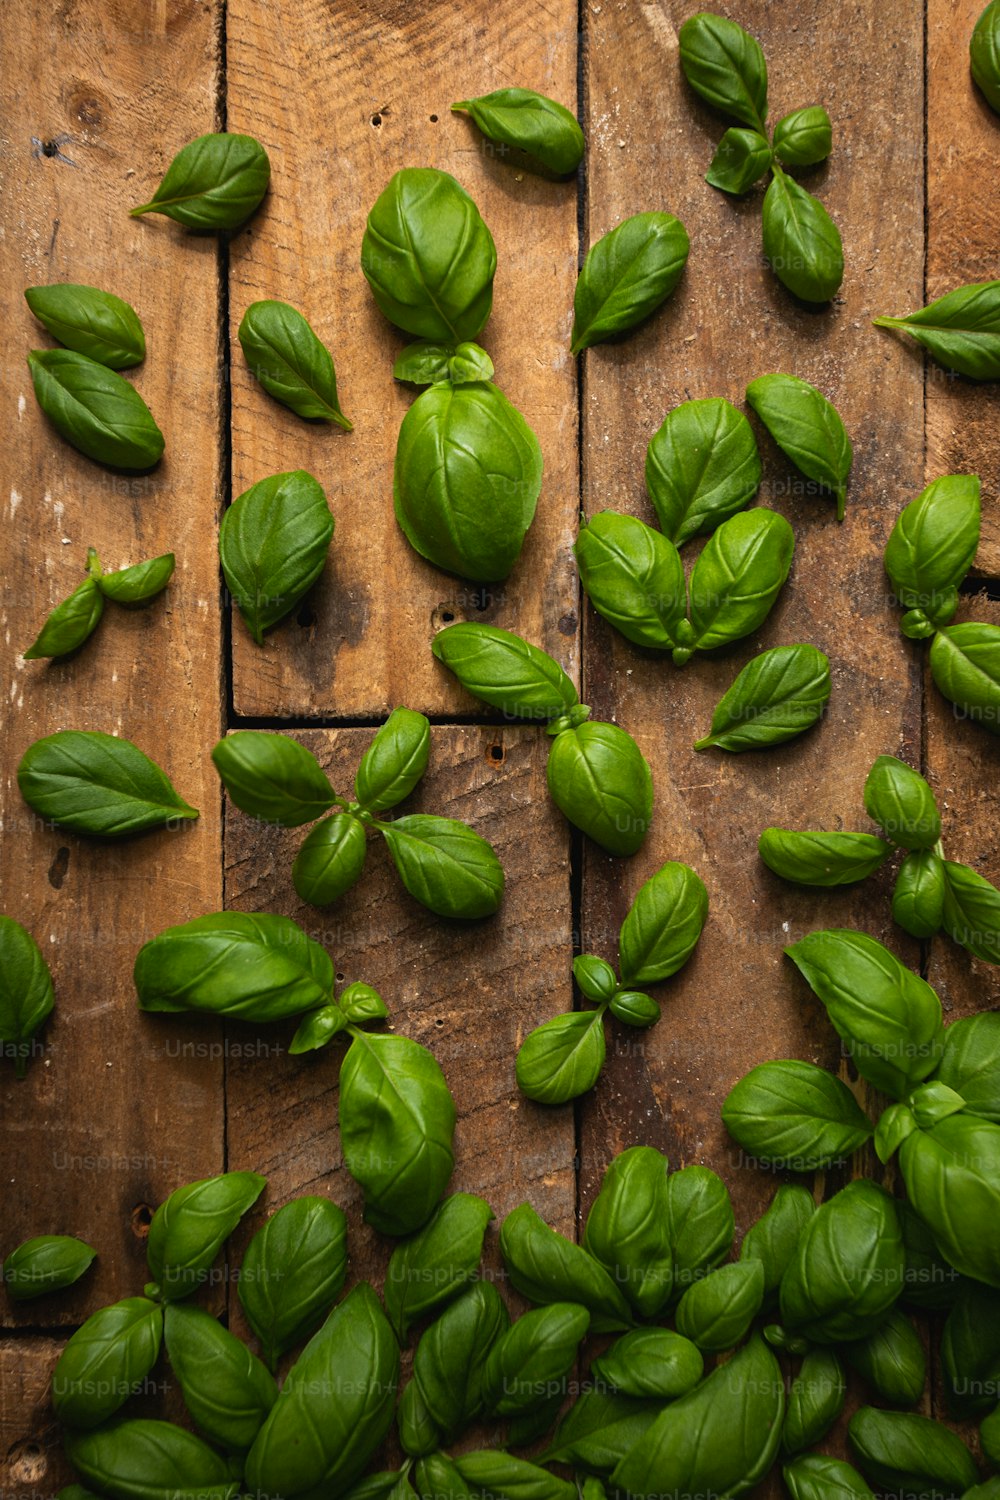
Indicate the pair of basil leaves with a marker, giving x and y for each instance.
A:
(75, 619)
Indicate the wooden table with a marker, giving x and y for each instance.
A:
(119, 1109)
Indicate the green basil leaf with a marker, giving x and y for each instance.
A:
(450, 1360)
(602, 1426)
(716, 1312)
(70, 624)
(626, 276)
(888, 1017)
(815, 1400)
(225, 1388)
(397, 1120)
(562, 1058)
(702, 466)
(952, 1177)
(149, 1460)
(930, 1282)
(95, 409)
(139, 583)
(627, 1228)
(26, 993)
(595, 977)
(726, 66)
(546, 1267)
(634, 1008)
(98, 784)
(190, 1227)
(292, 1273)
(965, 665)
(273, 543)
(330, 859)
(919, 893)
(504, 1477)
(434, 1265)
(255, 968)
(737, 578)
(419, 1435)
(815, 1476)
(528, 1427)
(823, 859)
(445, 865)
(529, 1363)
(933, 544)
(317, 1028)
(290, 361)
(653, 1363)
(970, 1063)
(848, 1267)
(741, 159)
(632, 576)
(803, 138)
(772, 1240)
(796, 1116)
(105, 1360)
(467, 476)
(663, 925)
(335, 1406)
(531, 123)
(970, 1351)
(437, 1479)
(903, 1453)
(76, 1492)
(600, 780)
(807, 429)
(394, 762)
(961, 329)
(215, 182)
(45, 1264)
(272, 777)
(91, 322)
(984, 54)
(972, 911)
(505, 671)
(989, 1441)
(428, 257)
(891, 1360)
(700, 1222)
(801, 241)
(779, 694)
(900, 800)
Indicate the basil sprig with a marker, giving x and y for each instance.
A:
(73, 621)
(806, 428)
(547, 133)
(626, 276)
(214, 182)
(961, 330)
(779, 694)
(273, 544)
(702, 466)
(26, 993)
(290, 361)
(93, 408)
(95, 323)
(98, 784)
(47, 1263)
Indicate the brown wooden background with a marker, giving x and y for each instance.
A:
(118, 1109)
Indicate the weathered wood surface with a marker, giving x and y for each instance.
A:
(32, 1463)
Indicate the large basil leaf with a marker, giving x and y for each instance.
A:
(273, 543)
(98, 784)
(815, 1476)
(71, 623)
(777, 695)
(952, 1177)
(726, 66)
(139, 583)
(467, 476)
(445, 865)
(105, 1360)
(806, 428)
(215, 182)
(970, 1063)
(961, 329)
(804, 137)
(225, 1388)
(700, 1222)
(902, 1453)
(95, 409)
(737, 578)
(546, 1267)
(190, 1227)
(26, 993)
(562, 1058)
(290, 362)
(663, 925)
(984, 54)
(888, 1017)
(531, 123)
(823, 859)
(632, 576)
(932, 545)
(774, 1237)
(273, 777)
(719, 1439)
(504, 1477)
(436, 1264)
(899, 799)
(602, 1426)
(702, 466)
(256, 968)
(716, 1312)
(149, 1460)
(796, 1116)
(815, 1400)
(397, 1119)
(95, 323)
(848, 1267)
(891, 1360)
(626, 275)
(801, 241)
(330, 859)
(741, 159)
(965, 665)
(918, 895)
(972, 911)
(600, 780)
(394, 762)
(335, 1406)
(651, 1363)
(47, 1263)
(505, 671)
(529, 1363)
(450, 1360)
(970, 1351)
(292, 1273)
(627, 1229)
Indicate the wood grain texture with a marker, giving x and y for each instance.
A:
(106, 1121)
(32, 1463)
(343, 95)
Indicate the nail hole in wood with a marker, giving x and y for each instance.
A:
(496, 753)
(482, 599)
(142, 1217)
(434, 119)
(376, 121)
(306, 616)
(340, 978)
(439, 1022)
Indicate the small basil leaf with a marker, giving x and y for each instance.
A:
(652, 1363)
(716, 1312)
(562, 1058)
(848, 1267)
(531, 123)
(741, 159)
(984, 54)
(600, 780)
(898, 798)
(139, 583)
(970, 1351)
(437, 1263)
(972, 911)
(215, 182)
(419, 1434)
(531, 1360)
(501, 1476)
(795, 1116)
(772, 1240)
(45, 1264)
(778, 695)
(95, 409)
(891, 1360)
(317, 1029)
(700, 1221)
(97, 784)
(957, 1162)
(961, 329)
(505, 671)
(634, 1008)
(815, 1400)
(330, 860)
(896, 1124)
(292, 1273)
(428, 257)
(290, 361)
(930, 1282)
(807, 429)
(801, 241)
(702, 466)
(933, 543)
(26, 994)
(632, 576)
(602, 1426)
(273, 543)
(803, 138)
(188, 1229)
(394, 762)
(726, 66)
(150, 1460)
(965, 665)
(272, 777)
(95, 323)
(970, 1063)
(546, 1267)
(445, 865)
(918, 896)
(225, 1388)
(627, 1229)
(437, 1479)
(626, 276)
(361, 1003)
(663, 925)
(824, 859)
(815, 1476)
(595, 977)
(104, 1360)
(903, 1453)
(397, 1120)
(738, 577)
(450, 1360)
(254, 968)
(70, 624)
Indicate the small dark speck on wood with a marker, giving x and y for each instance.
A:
(52, 148)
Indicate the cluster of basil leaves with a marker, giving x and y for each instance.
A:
(443, 863)
(74, 621)
(725, 65)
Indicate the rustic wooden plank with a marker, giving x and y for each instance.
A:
(108, 1120)
(343, 95)
(32, 1463)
